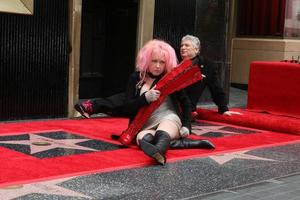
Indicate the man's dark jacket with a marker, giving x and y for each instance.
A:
(212, 80)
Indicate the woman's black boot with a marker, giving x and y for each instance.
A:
(146, 144)
(148, 138)
(162, 142)
(158, 149)
(187, 143)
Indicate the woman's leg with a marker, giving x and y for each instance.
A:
(143, 134)
(145, 139)
(170, 127)
(165, 132)
(187, 143)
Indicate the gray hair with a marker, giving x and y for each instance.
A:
(195, 41)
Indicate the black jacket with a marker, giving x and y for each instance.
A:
(134, 101)
(212, 80)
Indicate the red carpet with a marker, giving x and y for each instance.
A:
(17, 167)
(274, 88)
(251, 119)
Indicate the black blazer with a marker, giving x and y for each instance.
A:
(134, 101)
(212, 80)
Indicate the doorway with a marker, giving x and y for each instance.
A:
(108, 46)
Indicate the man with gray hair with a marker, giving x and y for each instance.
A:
(190, 49)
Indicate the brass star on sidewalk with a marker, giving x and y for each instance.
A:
(224, 158)
(201, 130)
(39, 143)
(47, 187)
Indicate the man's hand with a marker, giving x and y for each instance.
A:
(229, 113)
(152, 95)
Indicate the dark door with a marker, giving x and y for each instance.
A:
(34, 62)
(108, 41)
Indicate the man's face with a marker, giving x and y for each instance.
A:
(187, 50)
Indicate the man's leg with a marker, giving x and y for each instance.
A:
(194, 92)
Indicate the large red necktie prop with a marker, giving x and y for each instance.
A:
(180, 77)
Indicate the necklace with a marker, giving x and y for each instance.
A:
(153, 76)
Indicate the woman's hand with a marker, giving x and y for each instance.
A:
(152, 95)
(184, 132)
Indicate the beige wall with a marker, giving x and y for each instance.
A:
(245, 50)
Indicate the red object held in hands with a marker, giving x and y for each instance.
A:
(180, 77)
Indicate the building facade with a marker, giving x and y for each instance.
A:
(64, 50)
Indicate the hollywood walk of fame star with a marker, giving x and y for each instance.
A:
(47, 187)
(49, 143)
(224, 158)
(201, 130)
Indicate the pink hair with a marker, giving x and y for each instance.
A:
(145, 54)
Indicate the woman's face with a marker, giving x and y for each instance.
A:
(157, 64)
(187, 50)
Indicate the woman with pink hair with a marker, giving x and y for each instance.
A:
(171, 120)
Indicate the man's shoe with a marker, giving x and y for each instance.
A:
(85, 108)
(194, 116)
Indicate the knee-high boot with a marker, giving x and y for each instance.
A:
(158, 149)
(162, 142)
(148, 138)
(187, 143)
